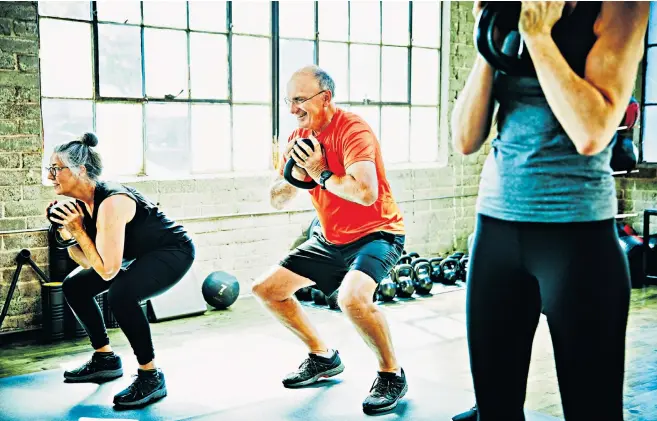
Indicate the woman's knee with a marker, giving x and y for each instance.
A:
(119, 296)
(74, 284)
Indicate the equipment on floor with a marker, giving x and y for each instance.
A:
(54, 235)
(404, 278)
(220, 289)
(318, 297)
(506, 53)
(287, 172)
(52, 299)
(436, 269)
(304, 294)
(332, 300)
(451, 270)
(463, 267)
(387, 289)
(181, 300)
(422, 276)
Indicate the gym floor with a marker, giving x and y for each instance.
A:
(429, 335)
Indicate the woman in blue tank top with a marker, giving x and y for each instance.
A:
(545, 238)
(112, 224)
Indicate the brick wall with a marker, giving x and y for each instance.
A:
(230, 219)
(637, 192)
(20, 159)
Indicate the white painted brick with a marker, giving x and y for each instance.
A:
(192, 211)
(237, 222)
(176, 186)
(271, 220)
(215, 185)
(223, 209)
(252, 195)
(258, 182)
(302, 218)
(253, 207)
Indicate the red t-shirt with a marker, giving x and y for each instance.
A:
(348, 139)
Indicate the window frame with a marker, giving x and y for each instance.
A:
(644, 82)
(276, 105)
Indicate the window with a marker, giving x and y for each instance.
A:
(180, 88)
(649, 114)
(385, 60)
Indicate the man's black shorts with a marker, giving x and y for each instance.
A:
(327, 264)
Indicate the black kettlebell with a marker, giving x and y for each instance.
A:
(422, 276)
(463, 265)
(436, 269)
(450, 268)
(404, 279)
(318, 297)
(387, 289)
(287, 172)
(508, 55)
(54, 235)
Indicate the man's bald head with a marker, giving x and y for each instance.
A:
(324, 80)
(310, 93)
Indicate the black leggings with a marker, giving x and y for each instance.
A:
(148, 276)
(577, 275)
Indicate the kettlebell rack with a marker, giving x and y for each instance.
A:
(23, 257)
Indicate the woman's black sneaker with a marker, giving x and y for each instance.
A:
(386, 391)
(314, 368)
(101, 367)
(470, 415)
(148, 386)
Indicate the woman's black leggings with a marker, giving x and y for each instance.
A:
(146, 277)
(577, 275)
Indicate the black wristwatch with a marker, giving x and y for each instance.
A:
(325, 175)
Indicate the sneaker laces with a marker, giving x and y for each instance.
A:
(382, 386)
(140, 384)
(308, 365)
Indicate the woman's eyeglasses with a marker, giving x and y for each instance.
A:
(53, 170)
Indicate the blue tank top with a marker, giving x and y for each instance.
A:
(533, 172)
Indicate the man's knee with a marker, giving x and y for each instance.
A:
(278, 284)
(356, 292)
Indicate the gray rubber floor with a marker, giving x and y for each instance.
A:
(238, 377)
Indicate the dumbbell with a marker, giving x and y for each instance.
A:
(387, 289)
(404, 279)
(436, 269)
(451, 270)
(422, 276)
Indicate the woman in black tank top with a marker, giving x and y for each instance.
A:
(113, 224)
(586, 56)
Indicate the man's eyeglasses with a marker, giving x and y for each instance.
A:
(298, 101)
(54, 170)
